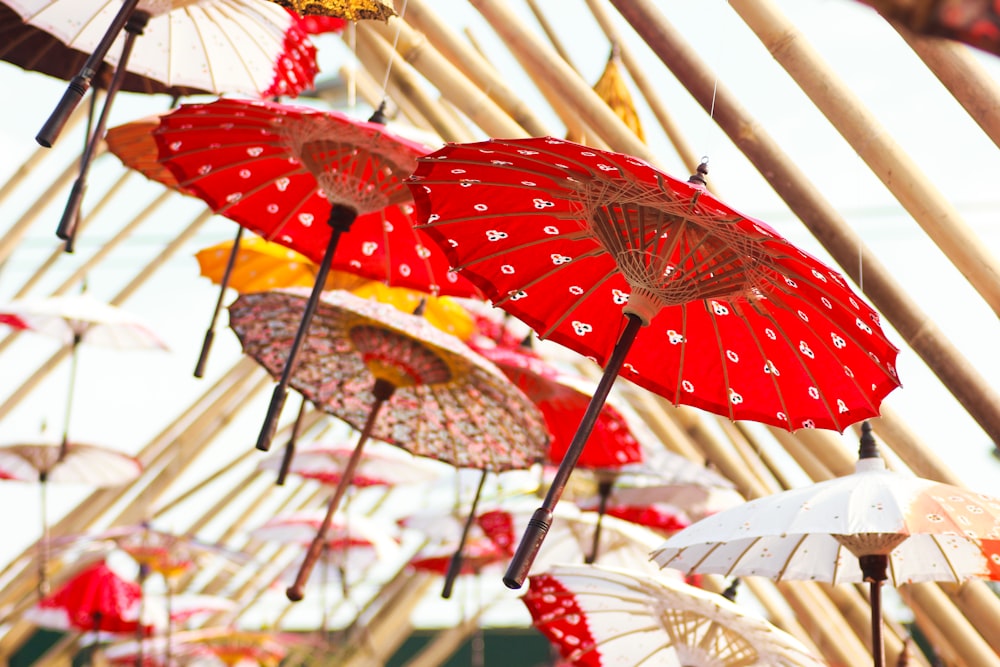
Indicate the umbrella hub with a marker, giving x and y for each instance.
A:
(397, 358)
(871, 544)
(353, 168)
(699, 639)
(670, 259)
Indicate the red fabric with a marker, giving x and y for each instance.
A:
(239, 157)
(741, 322)
(477, 554)
(498, 525)
(557, 616)
(648, 516)
(295, 69)
(12, 321)
(318, 25)
(97, 599)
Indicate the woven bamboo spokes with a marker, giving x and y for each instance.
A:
(709, 640)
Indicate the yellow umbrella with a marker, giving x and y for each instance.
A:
(261, 266)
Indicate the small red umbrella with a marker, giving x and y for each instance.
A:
(719, 311)
(95, 599)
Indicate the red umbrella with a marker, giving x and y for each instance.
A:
(283, 171)
(96, 599)
(718, 310)
(441, 399)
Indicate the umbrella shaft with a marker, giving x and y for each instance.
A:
(455, 566)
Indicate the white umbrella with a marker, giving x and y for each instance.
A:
(76, 319)
(600, 616)
(873, 525)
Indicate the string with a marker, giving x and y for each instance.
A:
(392, 52)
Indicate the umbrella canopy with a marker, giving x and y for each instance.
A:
(600, 616)
(91, 465)
(94, 599)
(211, 647)
(81, 318)
(739, 321)
(326, 463)
(442, 399)
(185, 47)
(874, 525)
(718, 310)
(448, 403)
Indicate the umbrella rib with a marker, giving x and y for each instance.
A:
(944, 554)
(760, 348)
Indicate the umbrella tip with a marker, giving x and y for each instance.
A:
(700, 172)
(869, 448)
(379, 115)
(730, 592)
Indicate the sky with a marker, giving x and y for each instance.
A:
(126, 398)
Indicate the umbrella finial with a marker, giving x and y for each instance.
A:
(379, 115)
(700, 172)
(869, 448)
(730, 592)
(421, 307)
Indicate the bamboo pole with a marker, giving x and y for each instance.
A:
(969, 645)
(898, 172)
(376, 52)
(647, 87)
(372, 94)
(414, 48)
(13, 235)
(550, 33)
(544, 64)
(920, 332)
(963, 75)
(471, 62)
(447, 641)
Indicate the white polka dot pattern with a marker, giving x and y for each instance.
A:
(276, 170)
(743, 323)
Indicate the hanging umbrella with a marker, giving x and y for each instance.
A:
(601, 616)
(442, 400)
(326, 464)
(351, 10)
(67, 462)
(211, 647)
(257, 265)
(720, 312)
(874, 525)
(95, 599)
(283, 171)
(77, 319)
(674, 489)
(186, 48)
(571, 538)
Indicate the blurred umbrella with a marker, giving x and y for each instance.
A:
(77, 319)
(874, 525)
(571, 539)
(67, 462)
(352, 10)
(326, 464)
(188, 47)
(600, 616)
(213, 647)
(95, 599)
(720, 312)
(442, 400)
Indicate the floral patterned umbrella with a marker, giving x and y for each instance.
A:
(442, 400)
(874, 525)
(719, 311)
(602, 616)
